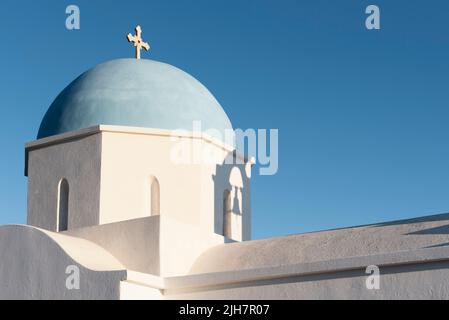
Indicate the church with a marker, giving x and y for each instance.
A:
(112, 215)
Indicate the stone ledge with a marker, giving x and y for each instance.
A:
(228, 278)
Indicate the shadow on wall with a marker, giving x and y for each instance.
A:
(432, 231)
(231, 200)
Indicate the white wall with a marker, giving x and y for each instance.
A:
(110, 169)
(34, 263)
(78, 161)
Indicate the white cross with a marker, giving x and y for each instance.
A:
(138, 42)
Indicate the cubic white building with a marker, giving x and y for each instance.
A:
(126, 200)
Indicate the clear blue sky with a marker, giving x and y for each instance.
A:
(362, 115)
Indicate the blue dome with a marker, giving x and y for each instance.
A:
(131, 92)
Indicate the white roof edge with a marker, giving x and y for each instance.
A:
(226, 278)
(145, 279)
(60, 138)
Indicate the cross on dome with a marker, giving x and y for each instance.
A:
(138, 42)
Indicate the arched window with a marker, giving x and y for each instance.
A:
(227, 213)
(154, 196)
(233, 206)
(63, 205)
(236, 181)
